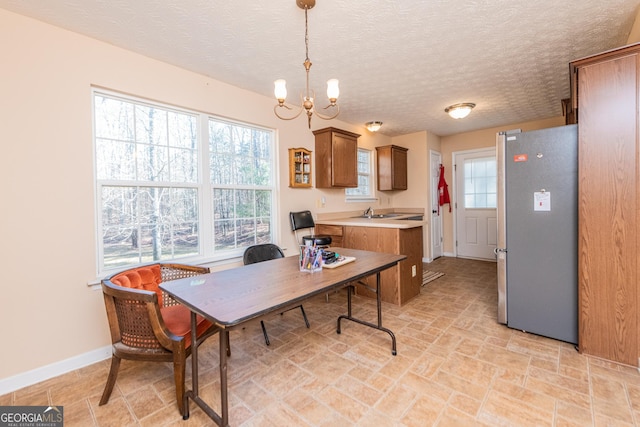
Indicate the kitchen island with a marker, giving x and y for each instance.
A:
(396, 232)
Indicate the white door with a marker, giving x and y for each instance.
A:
(476, 201)
(436, 214)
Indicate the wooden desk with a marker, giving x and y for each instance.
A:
(232, 297)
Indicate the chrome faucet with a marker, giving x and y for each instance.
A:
(369, 212)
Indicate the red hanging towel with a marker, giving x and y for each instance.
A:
(443, 191)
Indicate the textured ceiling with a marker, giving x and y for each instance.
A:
(401, 62)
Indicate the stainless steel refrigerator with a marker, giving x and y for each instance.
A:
(537, 250)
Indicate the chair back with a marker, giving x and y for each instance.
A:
(132, 295)
(303, 220)
(262, 252)
(300, 220)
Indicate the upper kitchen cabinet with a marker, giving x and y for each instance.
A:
(605, 96)
(336, 158)
(392, 168)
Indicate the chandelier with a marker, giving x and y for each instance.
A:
(307, 98)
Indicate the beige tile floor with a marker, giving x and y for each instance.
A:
(455, 367)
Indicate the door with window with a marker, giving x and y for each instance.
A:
(476, 198)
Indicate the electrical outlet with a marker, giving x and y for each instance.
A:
(413, 271)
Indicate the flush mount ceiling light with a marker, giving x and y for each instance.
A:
(373, 126)
(459, 111)
(307, 98)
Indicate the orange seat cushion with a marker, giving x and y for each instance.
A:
(177, 318)
(147, 278)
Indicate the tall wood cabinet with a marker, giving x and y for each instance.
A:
(336, 158)
(605, 93)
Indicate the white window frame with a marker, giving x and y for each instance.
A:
(371, 176)
(206, 252)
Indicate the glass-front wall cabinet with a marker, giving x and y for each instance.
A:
(299, 167)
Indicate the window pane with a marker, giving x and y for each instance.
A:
(113, 119)
(241, 158)
(151, 125)
(225, 237)
(117, 160)
(147, 224)
(183, 131)
(364, 188)
(480, 183)
(153, 164)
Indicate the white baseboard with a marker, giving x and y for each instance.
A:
(16, 382)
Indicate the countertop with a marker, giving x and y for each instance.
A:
(357, 220)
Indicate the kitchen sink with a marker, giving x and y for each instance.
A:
(389, 215)
(414, 218)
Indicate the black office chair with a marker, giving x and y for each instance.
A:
(304, 220)
(265, 252)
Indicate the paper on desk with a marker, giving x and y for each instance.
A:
(346, 260)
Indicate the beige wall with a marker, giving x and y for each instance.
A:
(418, 193)
(470, 141)
(634, 35)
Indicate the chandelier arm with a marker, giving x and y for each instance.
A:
(327, 117)
(275, 110)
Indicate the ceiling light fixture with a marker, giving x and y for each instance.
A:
(307, 99)
(459, 111)
(373, 126)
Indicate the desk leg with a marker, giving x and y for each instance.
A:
(193, 393)
(224, 333)
(371, 325)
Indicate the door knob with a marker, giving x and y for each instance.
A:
(434, 211)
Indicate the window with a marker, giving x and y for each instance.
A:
(480, 188)
(177, 184)
(364, 190)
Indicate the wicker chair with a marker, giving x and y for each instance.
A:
(265, 252)
(147, 324)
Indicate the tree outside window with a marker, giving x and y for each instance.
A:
(162, 182)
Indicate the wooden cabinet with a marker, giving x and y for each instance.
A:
(392, 168)
(398, 284)
(334, 231)
(606, 93)
(336, 158)
(299, 167)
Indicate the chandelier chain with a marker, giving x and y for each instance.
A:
(306, 34)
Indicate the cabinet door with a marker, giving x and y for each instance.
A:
(399, 159)
(336, 158)
(607, 212)
(345, 156)
(392, 168)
